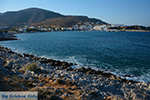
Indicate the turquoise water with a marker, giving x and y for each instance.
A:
(118, 52)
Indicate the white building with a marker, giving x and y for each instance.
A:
(26, 27)
(57, 29)
(100, 28)
(21, 29)
(40, 27)
(50, 29)
(82, 26)
(32, 27)
(116, 25)
(44, 29)
(75, 27)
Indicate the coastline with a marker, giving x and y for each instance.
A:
(58, 76)
(55, 79)
(7, 36)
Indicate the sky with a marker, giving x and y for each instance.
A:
(128, 12)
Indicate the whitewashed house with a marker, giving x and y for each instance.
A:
(32, 27)
(100, 28)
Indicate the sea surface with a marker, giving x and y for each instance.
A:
(121, 53)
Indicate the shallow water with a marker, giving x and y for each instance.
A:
(117, 52)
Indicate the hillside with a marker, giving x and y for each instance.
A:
(27, 16)
(68, 21)
(36, 16)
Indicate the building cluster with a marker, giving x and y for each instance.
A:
(41, 28)
(77, 27)
(83, 26)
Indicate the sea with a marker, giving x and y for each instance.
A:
(120, 53)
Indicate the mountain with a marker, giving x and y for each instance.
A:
(27, 16)
(36, 16)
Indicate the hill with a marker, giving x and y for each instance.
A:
(68, 21)
(27, 16)
(133, 27)
(36, 16)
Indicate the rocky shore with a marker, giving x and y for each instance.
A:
(57, 80)
(7, 36)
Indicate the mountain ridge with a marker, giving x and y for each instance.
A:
(38, 16)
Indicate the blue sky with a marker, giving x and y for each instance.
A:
(129, 12)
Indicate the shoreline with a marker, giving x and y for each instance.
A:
(69, 65)
(57, 76)
(7, 36)
(54, 79)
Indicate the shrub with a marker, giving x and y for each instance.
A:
(31, 66)
(68, 82)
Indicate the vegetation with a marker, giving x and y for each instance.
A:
(32, 30)
(36, 16)
(31, 66)
(135, 27)
(68, 82)
(3, 31)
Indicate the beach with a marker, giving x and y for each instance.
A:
(55, 79)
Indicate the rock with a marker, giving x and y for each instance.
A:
(57, 92)
(15, 72)
(35, 75)
(43, 71)
(69, 69)
(62, 67)
(19, 54)
(26, 55)
(65, 95)
(9, 64)
(28, 72)
(49, 76)
(16, 67)
(36, 83)
(82, 69)
(57, 76)
(8, 67)
(149, 86)
(32, 73)
(41, 84)
(83, 95)
(74, 77)
(54, 97)
(42, 75)
(26, 77)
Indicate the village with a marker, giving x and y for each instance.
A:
(84, 26)
(77, 27)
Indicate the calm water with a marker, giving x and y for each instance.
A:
(118, 52)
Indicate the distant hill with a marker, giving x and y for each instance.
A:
(133, 27)
(67, 21)
(36, 16)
